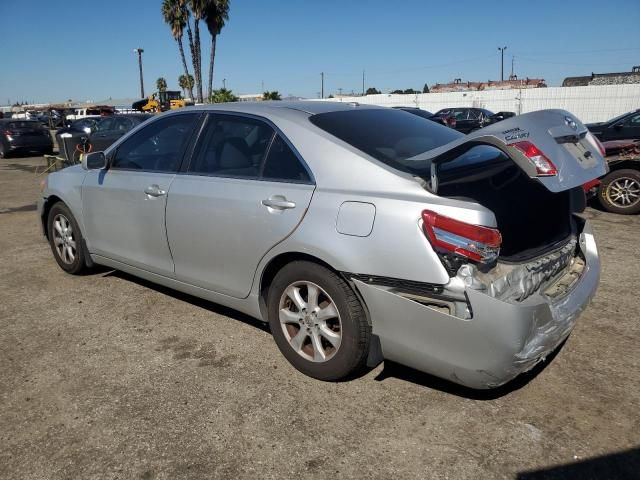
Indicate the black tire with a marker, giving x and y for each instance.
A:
(609, 191)
(351, 355)
(3, 152)
(77, 265)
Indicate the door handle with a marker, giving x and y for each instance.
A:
(154, 191)
(278, 202)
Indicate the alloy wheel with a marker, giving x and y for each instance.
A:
(624, 192)
(310, 321)
(63, 239)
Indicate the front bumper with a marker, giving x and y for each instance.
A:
(498, 343)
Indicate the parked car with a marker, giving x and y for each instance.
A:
(24, 136)
(95, 133)
(416, 111)
(465, 120)
(623, 127)
(619, 190)
(360, 233)
(498, 117)
(111, 128)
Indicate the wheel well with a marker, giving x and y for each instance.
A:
(50, 202)
(633, 164)
(279, 261)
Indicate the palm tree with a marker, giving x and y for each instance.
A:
(186, 83)
(222, 96)
(161, 84)
(198, 8)
(216, 14)
(271, 95)
(176, 15)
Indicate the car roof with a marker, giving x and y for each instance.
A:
(285, 108)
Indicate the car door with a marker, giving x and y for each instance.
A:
(244, 191)
(628, 128)
(123, 206)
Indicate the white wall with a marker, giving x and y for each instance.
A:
(589, 104)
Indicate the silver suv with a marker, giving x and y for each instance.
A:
(359, 233)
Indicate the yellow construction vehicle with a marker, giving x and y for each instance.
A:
(161, 102)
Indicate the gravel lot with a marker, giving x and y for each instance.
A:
(106, 376)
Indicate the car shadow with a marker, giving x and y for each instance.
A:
(185, 297)
(623, 465)
(390, 369)
(407, 374)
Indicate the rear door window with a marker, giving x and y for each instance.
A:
(231, 146)
(283, 164)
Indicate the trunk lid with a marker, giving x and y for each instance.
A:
(558, 134)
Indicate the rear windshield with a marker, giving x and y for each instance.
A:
(388, 135)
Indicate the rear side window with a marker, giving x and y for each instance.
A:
(283, 164)
(388, 135)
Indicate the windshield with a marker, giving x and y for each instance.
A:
(388, 135)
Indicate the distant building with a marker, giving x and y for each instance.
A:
(250, 97)
(514, 83)
(619, 78)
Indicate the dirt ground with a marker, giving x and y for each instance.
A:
(106, 376)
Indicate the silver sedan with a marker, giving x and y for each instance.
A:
(358, 233)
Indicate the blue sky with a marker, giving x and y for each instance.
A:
(81, 49)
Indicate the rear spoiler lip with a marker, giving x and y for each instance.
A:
(547, 129)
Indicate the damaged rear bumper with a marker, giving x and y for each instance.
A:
(501, 339)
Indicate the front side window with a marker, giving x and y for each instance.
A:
(123, 124)
(158, 147)
(105, 125)
(634, 121)
(232, 146)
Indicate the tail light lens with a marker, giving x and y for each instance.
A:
(544, 166)
(481, 244)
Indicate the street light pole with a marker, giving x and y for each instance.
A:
(502, 63)
(139, 52)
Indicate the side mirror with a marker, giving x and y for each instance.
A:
(94, 161)
(618, 126)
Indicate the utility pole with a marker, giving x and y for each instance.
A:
(321, 84)
(224, 83)
(363, 83)
(502, 49)
(262, 86)
(139, 52)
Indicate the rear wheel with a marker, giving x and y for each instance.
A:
(65, 239)
(3, 151)
(620, 192)
(317, 321)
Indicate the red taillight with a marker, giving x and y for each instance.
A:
(481, 244)
(7, 132)
(544, 166)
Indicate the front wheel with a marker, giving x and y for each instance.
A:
(318, 322)
(65, 239)
(620, 192)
